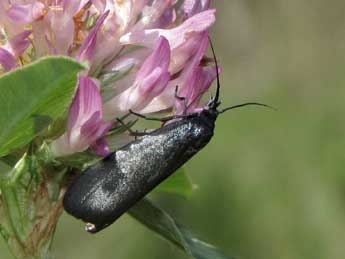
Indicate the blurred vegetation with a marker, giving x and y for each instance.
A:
(271, 184)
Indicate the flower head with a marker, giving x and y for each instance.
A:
(136, 51)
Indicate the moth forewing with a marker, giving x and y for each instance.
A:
(106, 190)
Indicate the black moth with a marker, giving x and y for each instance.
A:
(106, 190)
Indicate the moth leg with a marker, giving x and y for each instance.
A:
(165, 119)
(133, 133)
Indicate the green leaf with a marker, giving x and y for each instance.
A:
(178, 183)
(164, 225)
(32, 97)
(4, 168)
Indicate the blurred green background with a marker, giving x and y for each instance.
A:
(271, 184)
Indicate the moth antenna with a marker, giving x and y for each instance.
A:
(216, 98)
(246, 104)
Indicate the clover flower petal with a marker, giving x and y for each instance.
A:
(151, 79)
(85, 124)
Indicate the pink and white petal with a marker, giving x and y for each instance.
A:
(156, 105)
(79, 141)
(159, 57)
(150, 81)
(122, 16)
(209, 75)
(165, 100)
(19, 43)
(106, 49)
(26, 13)
(198, 23)
(166, 20)
(88, 130)
(41, 45)
(146, 84)
(86, 102)
(85, 122)
(185, 83)
(192, 93)
(7, 60)
(152, 14)
(160, 85)
(99, 5)
(91, 99)
(182, 54)
(103, 128)
(124, 84)
(134, 58)
(6, 22)
(132, 61)
(74, 111)
(191, 66)
(122, 12)
(192, 7)
(94, 128)
(73, 6)
(87, 49)
(61, 31)
(153, 84)
(100, 147)
(137, 96)
(176, 36)
(120, 104)
(204, 79)
(129, 15)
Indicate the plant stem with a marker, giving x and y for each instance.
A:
(31, 199)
